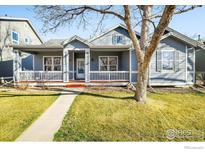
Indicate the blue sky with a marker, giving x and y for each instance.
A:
(191, 23)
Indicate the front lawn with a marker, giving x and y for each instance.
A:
(115, 116)
(19, 109)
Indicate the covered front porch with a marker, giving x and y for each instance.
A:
(60, 66)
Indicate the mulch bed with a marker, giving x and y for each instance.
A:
(111, 89)
(181, 90)
(172, 90)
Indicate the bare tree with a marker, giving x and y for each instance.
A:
(133, 16)
(3, 41)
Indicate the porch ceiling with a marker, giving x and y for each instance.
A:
(38, 48)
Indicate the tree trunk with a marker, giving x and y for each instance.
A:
(141, 87)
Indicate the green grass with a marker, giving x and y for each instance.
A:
(115, 116)
(19, 109)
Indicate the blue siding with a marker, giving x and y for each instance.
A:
(38, 59)
(171, 77)
(134, 61)
(107, 38)
(123, 59)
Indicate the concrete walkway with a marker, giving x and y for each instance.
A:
(44, 128)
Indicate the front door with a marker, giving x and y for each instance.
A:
(80, 67)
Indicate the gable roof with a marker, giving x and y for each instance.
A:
(109, 30)
(25, 20)
(55, 42)
(182, 37)
(75, 37)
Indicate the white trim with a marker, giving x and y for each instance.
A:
(194, 67)
(162, 69)
(108, 62)
(186, 65)
(87, 65)
(52, 66)
(130, 65)
(73, 65)
(12, 40)
(41, 76)
(108, 76)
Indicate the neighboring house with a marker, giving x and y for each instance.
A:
(109, 58)
(200, 60)
(17, 31)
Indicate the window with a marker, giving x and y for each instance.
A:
(15, 37)
(118, 39)
(108, 63)
(168, 60)
(52, 64)
(27, 40)
(57, 63)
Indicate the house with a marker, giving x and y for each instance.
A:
(108, 59)
(17, 31)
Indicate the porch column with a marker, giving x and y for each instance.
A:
(130, 65)
(194, 65)
(65, 65)
(16, 65)
(73, 65)
(87, 65)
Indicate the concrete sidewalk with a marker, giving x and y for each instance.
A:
(44, 128)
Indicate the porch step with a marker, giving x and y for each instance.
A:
(75, 85)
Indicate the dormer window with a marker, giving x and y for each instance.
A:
(118, 39)
(15, 37)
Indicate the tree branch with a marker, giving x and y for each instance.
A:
(145, 26)
(159, 31)
(105, 11)
(178, 11)
(135, 41)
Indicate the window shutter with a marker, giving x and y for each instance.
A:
(176, 61)
(159, 61)
(114, 39)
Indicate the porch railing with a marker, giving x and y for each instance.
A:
(109, 75)
(41, 76)
(58, 75)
